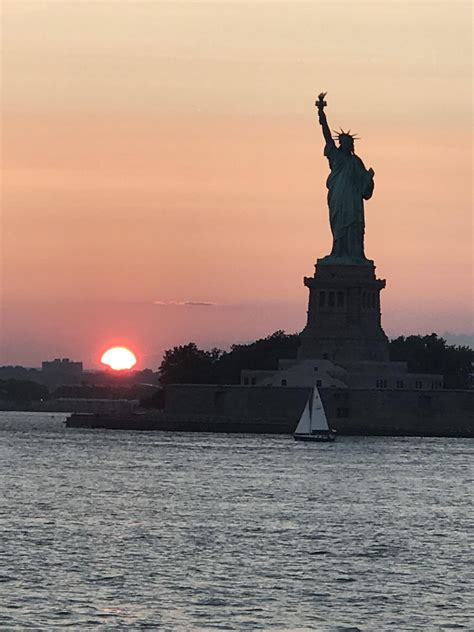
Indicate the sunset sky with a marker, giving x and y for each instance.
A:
(164, 178)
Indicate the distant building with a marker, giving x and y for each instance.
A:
(62, 365)
(61, 371)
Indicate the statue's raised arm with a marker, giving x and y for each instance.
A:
(321, 104)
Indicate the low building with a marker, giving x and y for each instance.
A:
(326, 374)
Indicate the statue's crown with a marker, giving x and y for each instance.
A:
(341, 134)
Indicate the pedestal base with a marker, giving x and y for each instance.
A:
(344, 320)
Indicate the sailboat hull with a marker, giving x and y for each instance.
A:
(320, 437)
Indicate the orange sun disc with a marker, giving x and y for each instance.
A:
(119, 358)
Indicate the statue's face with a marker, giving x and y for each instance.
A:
(346, 143)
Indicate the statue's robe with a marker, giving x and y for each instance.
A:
(349, 184)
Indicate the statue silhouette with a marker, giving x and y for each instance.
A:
(349, 184)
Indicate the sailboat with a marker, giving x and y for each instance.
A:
(313, 424)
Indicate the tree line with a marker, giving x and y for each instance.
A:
(187, 364)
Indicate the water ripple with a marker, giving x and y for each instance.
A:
(116, 530)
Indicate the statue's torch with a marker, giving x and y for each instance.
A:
(321, 103)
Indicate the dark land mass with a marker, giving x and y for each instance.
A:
(187, 364)
(190, 383)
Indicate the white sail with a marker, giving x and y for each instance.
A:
(318, 416)
(304, 424)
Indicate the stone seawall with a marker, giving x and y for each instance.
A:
(177, 423)
(349, 411)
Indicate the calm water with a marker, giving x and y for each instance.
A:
(116, 530)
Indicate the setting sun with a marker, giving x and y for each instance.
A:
(119, 358)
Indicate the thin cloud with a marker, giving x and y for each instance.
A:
(185, 303)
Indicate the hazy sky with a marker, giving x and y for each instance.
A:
(160, 153)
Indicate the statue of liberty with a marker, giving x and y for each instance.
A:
(349, 184)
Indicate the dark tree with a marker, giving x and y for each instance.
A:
(22, 391)
(187, 364)
(91, 391)
(263, 354)
(430, 354)
(190, 365)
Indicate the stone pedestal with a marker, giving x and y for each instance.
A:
(344, 320)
